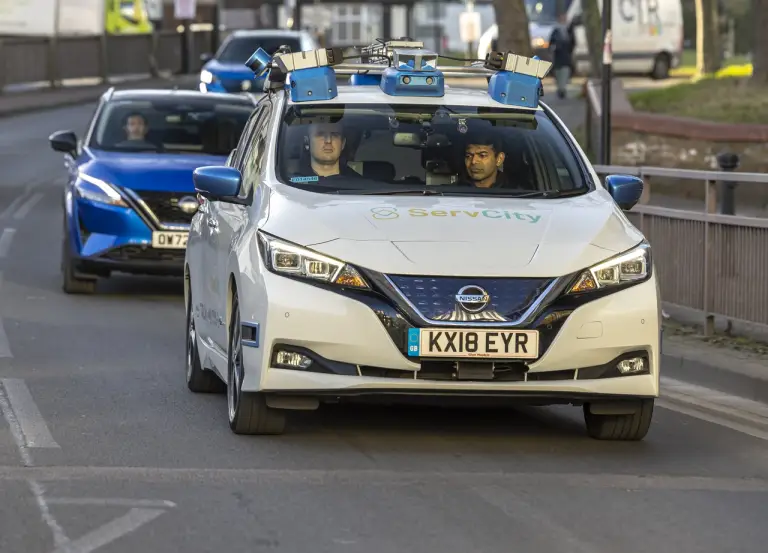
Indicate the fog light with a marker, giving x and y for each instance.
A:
(293, 359)
(631, 366)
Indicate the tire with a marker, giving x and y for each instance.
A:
(632, 427)
(248, 411)
(70, 283)
(661, 67)
(199, 380)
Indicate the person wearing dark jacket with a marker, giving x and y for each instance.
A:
(561, 45)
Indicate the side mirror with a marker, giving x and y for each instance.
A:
(625, 190)
(64, 141)
(218, 183)
(205, 58)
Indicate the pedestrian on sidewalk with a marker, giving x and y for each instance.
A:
(561, 46)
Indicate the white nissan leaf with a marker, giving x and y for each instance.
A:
(371, 239)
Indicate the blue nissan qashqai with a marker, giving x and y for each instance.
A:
(129, 197)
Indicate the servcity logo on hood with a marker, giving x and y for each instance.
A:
(391, 213)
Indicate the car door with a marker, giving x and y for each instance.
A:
(219, 222)
(234, 218)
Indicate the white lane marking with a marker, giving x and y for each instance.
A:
(724, 403)
(30, 420)
(714, 419)
(109, 532)
(5, 241)
(28, 205)
(12, 207)
(5, 346)
(59, 537)
(18, 435)
(727, 410)
(111, 502)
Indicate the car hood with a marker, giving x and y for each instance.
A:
(234, 71)
(453, 235)
(147, 170)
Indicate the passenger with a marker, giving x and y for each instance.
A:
(136, 129)
(483, 159)
(325, 144)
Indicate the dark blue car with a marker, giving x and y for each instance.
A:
(129, 197)
(226, 70)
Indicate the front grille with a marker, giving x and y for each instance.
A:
(236, 85)
(164, 205)
(140, 253)
(435, 297)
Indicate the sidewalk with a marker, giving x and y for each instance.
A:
(15, 103)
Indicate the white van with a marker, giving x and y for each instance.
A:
(647, 34)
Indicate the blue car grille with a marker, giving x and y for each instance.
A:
(236, 85)
(435, 297)
(165, 205)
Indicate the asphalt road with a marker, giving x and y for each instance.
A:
(104, 449)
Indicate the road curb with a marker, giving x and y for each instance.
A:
(20, 103)
(743, 383)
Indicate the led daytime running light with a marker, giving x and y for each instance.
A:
(631, 266)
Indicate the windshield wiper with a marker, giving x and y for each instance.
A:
(392, 192)
(545, 194)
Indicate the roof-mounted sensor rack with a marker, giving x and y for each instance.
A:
(403, 68)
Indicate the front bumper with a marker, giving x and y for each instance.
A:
(359, 346)
(105, 238)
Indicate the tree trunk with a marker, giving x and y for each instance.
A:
(593, 27)
(512, 21)
(708, 58)
(760, 44)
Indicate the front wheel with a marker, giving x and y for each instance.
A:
(632, 427)
(248, 411)
(70, 282)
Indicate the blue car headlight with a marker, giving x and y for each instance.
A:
(207, 77)
(96, 190)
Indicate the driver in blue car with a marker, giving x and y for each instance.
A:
(136, 129)
(484, 161)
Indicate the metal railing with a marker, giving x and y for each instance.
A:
(52, 62)
(711, 263)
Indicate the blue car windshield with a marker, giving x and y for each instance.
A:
(238, 50)
(171, 125)
(447, 149)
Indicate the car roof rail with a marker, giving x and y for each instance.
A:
(401, 67)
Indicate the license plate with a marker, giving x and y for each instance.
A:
(442, 342)
(169, 239)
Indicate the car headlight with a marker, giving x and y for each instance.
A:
(96, 190)
(206, 76)
(631, 266)
(288, 259)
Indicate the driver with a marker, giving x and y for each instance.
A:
(136, 128)
(483, 159)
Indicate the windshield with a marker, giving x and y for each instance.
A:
(171, 125)
(400, 148)
(545, 12)
(238, 50)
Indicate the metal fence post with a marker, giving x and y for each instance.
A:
(711, 207)
(728, 162)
